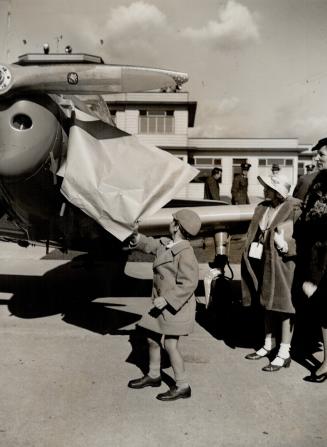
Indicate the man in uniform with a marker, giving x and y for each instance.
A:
(211, 189)
(240, 186)
(275, 169)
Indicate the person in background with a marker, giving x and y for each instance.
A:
(311, 234)
(211, 188)
(268, 264)
(240, 186)
(305, 181)
(176, 275)
(310, 168)
(275, 169)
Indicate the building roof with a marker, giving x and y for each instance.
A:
(253, 144)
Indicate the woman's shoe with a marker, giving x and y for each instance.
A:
(255, 356)
(273, 368)
(320, 378)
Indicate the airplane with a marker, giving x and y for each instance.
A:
(34, 130)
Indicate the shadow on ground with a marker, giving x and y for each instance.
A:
(70, 290)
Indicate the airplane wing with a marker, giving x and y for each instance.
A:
(68, 75)
(215, 218)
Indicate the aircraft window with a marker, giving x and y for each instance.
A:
(21, 122)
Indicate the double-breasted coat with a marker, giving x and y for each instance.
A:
(277, 269)
(240, 190)
(175, 278)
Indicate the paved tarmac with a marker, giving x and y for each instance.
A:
(68, 349)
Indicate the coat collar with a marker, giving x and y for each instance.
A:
(168, 254)
(281, 214)
(179, 246)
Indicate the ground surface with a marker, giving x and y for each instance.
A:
(68, 349)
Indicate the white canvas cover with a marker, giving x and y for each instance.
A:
(116, 179)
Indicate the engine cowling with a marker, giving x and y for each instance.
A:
(29, 129)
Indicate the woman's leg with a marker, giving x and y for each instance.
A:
(287, 323)
(270, 341)
(323, 367)
(176, 360)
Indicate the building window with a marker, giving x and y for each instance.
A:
(275, 161)
(285, 165)
(206, 161)
(300, 168)
(156, 121)
(205, 165)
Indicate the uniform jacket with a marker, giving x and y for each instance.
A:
(278, 269)
(240, 190)
(175, 277)
(211, 189)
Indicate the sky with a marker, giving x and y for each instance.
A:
(257, 68)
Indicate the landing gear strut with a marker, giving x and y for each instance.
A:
(217, 267)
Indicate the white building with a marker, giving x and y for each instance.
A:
(163, 119)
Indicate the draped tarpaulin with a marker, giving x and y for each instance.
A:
(116, 179)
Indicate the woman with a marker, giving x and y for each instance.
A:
(176, 274)
(267, 266)
(312, 243)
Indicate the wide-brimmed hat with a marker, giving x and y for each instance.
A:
(278, 183)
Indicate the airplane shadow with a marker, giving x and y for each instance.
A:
(227, 320)
(71, 289)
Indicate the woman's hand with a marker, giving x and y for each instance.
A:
(280, 242)
(160, 302)
(309, 288)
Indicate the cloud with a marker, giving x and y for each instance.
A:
(310, 129)
(216, 118)
(235, 28)
(297, 120)
(135, 29)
